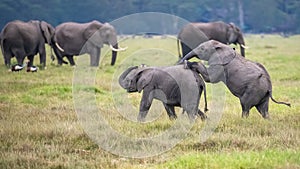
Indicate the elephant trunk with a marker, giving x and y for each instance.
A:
(187, 57)
(56, 47)
(122, 77)
(114, 54)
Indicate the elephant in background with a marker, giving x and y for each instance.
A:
(193, 34)
(174, 86)
(80, 38)
(21, 39)
(247, 80)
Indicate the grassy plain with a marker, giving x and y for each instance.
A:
(39, 126)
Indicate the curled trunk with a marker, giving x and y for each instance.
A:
(123, 76)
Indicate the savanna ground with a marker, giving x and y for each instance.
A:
(39, 126)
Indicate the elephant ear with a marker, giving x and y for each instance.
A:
(144, 78)
(91, 29)
(222, 55)
(92, 33)
(47, 30)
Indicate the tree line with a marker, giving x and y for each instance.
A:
(255, 16)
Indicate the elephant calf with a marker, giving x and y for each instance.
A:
(247, 80)
(174, 86)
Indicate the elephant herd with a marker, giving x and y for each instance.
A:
(180, 85)
(20, 39)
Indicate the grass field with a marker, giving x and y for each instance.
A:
(40, 127)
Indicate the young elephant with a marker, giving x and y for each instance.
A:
(174, 86)
(247, 80)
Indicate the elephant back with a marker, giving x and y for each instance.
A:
(187, 83)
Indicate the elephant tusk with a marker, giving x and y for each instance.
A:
(117, 50)
(60, 48)
(245, 47)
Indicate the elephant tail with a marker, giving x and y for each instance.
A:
(287, 104)
(178, 47)
(204, 91)
(205, 100)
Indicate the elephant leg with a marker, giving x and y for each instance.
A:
(95, 57)
(145, 105)
(30, 58)
(98, 51)
(20, 60)
(245, 100)
(202, 115)
(192, 113)
(7, 58)
(71, 60)
(7, 54)
(245, 107)
(250, 98)
(170, 110)
(42, 53)
(263, 108)
(59, 57)
(20, 55)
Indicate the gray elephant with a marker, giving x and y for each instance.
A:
(193, 34)
(21, 39)
(80, 38)
(174, 86)
(247, 80)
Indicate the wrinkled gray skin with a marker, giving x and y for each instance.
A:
(174, 86)
(80, 38)
(247, 80)
(21, 39)
(193, 34)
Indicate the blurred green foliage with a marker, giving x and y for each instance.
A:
(252, 16)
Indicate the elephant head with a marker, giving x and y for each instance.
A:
(217, 54)
(99, 34)
(135, 78)
(234, 35)
(48, 32)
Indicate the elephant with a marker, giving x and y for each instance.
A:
(193, 34)
(174, 86)
(247, 80)
(21, 39)
(80, 38)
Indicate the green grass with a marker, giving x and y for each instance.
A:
(39, 126)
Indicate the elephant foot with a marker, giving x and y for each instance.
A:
(266, 116)
(245, 114)
(32, 69)
(173, 117)
(141, 117)
(141, 120)
(202, 115)
(16, 68)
